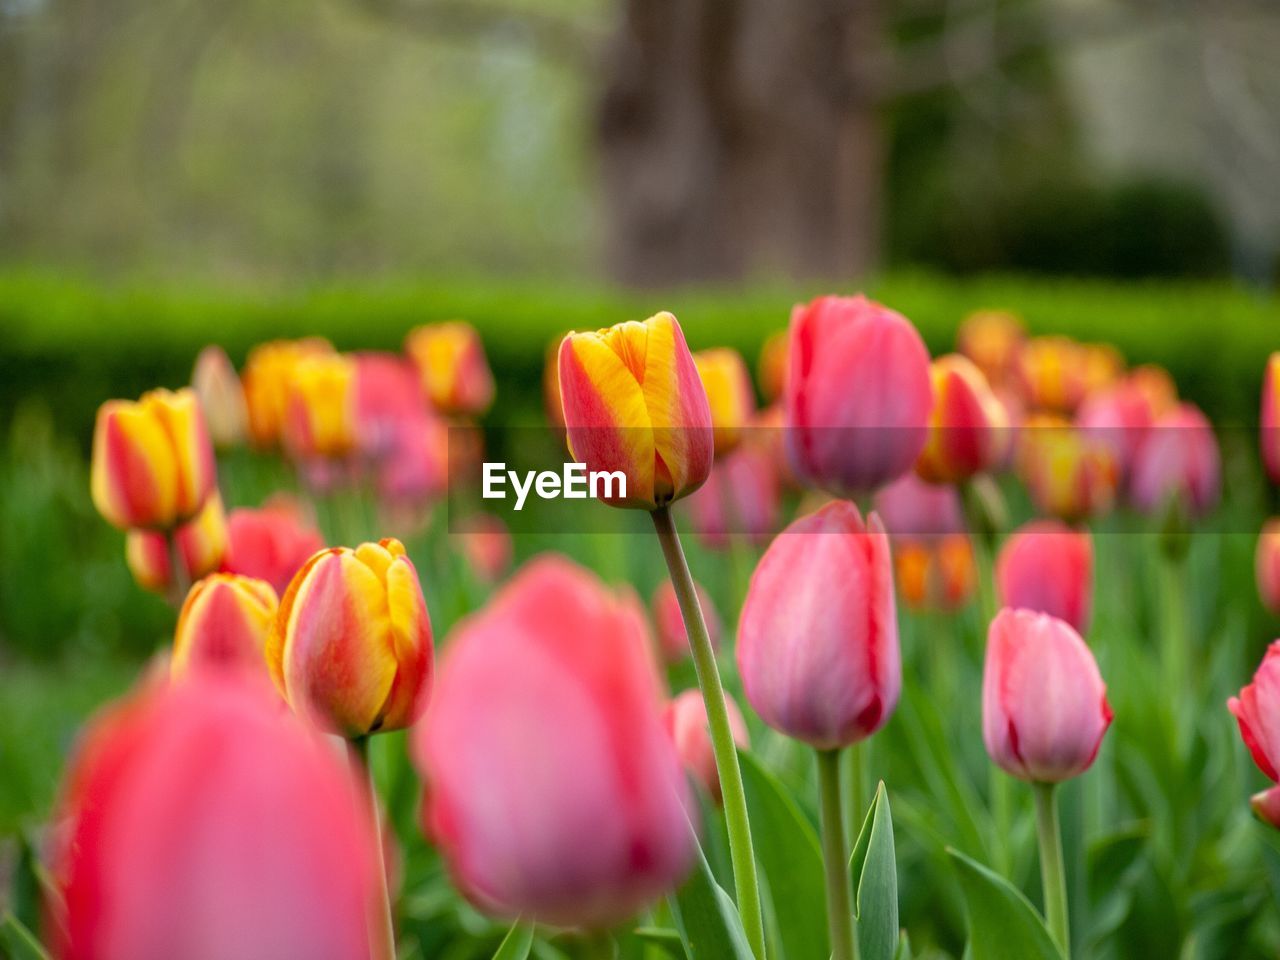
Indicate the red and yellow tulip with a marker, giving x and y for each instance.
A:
(268, 373)
(320, 416)
(729, 394)
(968, 427)
(224, 624)
(200, 544)
(451, 362)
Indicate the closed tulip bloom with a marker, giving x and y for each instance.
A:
(200, 819)
(1266, 806)
(1052, 371)
(224, 624)
(729, 394)
(1070, 474)
(153, 464)
(553, 790)
(1157, 387)
(268, 373)
(1271, 418)
(1048, 567)
(201, 545)
(1103, 367)
(320, 419)
(673, 640)
(486, 544)
(992, 339)
(968, 427)
(909, 507)
(416, 470)
(1178, 460)
(634, 403)
(451, 362)
(686, 721)
(1044, 705)
(1120, 417)
(818, 638)
(935, 573)
(271, 542)
(741, 499)
(387, 396)
(221, 397)
(858, 394)
(351, 646)
(773, 363)
(1257, 711)
(1267, 565)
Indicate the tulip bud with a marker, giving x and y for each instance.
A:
(1120, 418)
(223, 624)
(1069, 474)
(548, 708)
(320, 418)
(858, 394)
(199, 819)
(1156, 386)
(686, 722)
(729, 394)
(1178, 460)
(201, 544)
(818, 638)
(911, 508)
(416, 470)
(1044, 705)
(351, 645)
(387, 397)
(772, 366)
(270, 543)
(454, 370)
(268, 374)
(1048, 567)
(1271, 418)
(741, 498)
(673, 639)
(1257, 711)
(153, 464)
(634, 403)
(1267, 565)
(1052, 371)
(968, 427)
(1103, 367)
(486, 545)
(1266, 806)
(935, 573)
(221, 397)
(992, 339)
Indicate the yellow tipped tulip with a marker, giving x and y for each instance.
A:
(268, 373)
(201, 544)
(321, 412)
(968, 426)
(223, 624)
(455, 372)
(729, 394)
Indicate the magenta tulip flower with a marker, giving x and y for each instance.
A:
(673, 639)
(1178, 459)
(1048, 567)
(686, 720)
(1257, 711)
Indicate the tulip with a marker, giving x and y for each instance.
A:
(935, 573)
(1052, 371)
(547, 709)
(388, 397)
(224, 623)
(1267, 565)
(320, 417)
(729, 395)
(270, 543)
(1156, 386)
(968, 427)
(1069, 474)
(268, 373)
(772, 365)
(416, 470)
(198, 546)
(1257, 711)
(1044, 705)
(486, 545)
(686, 722)
(201, 820)
(634, 403)
(818, 637)
(351, 645)
(1271, 418)
(673, 639)
(221, 397)
(1179, 461)
(1266, 806)
(1047, 567)
(909, 507)
(858, 394)
(1120, 417)
(992, 339)
(153, 464)
(741, 497)
(1103, 367)
(454, 370)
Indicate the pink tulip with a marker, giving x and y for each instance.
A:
(673, 640)
(270, 543)
(1179, 459)
(388, 395)
(1048, 567)
(740, 499)
(1266, 806)
(202, 820)
(910, 507)
(1267, 565)
(858, 394)
(686, 721)
(818, 638)
(1257, 710)
(1121, 418)
(1270, 432)
(553, 790)
(1044, 705)
(486, 544)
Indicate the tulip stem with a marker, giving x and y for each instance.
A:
(1052, 874)
(179, 582)
(835, 858)
(741, 852)
(382, 936)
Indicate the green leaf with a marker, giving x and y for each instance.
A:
(791, 858)
(516, 944)
(875, 882)
(1002, 922)
(19, 943)
(709, 924)
(668, 941)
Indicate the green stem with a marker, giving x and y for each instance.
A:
(1052, 872)
(859, 779)
(735, 800)
(382, 936)
(1173, 602)
(835, 858)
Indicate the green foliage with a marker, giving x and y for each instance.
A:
(709, 924)
(516, 944)
(1002, 923)
(875, 879)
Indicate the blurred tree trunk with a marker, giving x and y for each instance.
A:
(736, 139)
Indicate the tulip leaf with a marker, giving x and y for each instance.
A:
(875, 882)
(1002, 922)
(791, 858)
(668, 941)
(516, 944)
(709, 924)
(18, 942)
